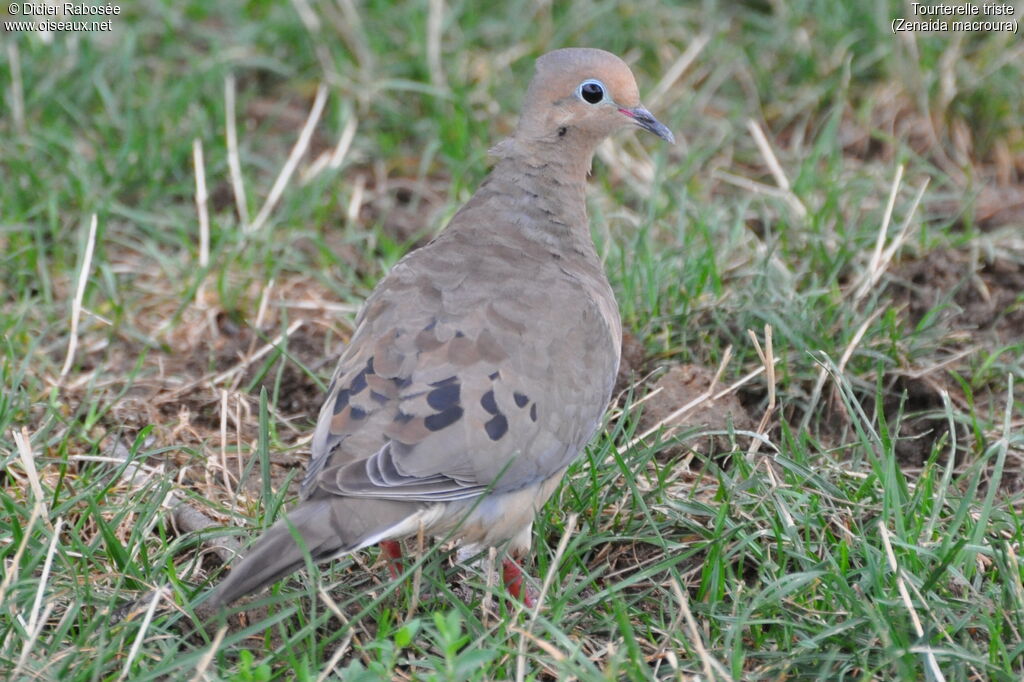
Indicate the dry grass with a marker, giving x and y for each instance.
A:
(858, 205)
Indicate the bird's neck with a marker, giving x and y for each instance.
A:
(546, 185)
(564, 155)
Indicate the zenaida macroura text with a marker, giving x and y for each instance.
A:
(482, 363)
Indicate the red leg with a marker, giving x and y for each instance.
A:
(512, 574)
(393, 551)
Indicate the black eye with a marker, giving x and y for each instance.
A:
(592, 91)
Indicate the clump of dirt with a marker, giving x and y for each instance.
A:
(632, 362)
(972, 296)
(228, 350)
(622, 559)
(213, 359)
(683, 385)
(991, 207)
(295, 396)
(991, 195)
(405, 208)
(298, 393)
(277, 113)
(922, 422)
(973, 301)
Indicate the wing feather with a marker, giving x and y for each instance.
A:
(443, 392)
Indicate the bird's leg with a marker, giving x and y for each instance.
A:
(512, 574)
(393, 551)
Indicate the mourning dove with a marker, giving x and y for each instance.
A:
(482, 363)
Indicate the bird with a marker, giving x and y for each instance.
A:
(483, 362)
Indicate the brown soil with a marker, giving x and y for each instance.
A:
(680, 386)
(405, 208)
(632, 363)
(971, 301)
(972, 295)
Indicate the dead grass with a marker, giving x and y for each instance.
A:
(683, 560)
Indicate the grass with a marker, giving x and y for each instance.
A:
(874, 533)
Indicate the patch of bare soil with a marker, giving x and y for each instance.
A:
(971, 296)
(990, 207)
(976, 303)
(632, 363)
(621, 559)
(187, 413)
(990, 196)
(918, 404)
(690, 384)
(197, 392)
(294, 394)
(405, 207)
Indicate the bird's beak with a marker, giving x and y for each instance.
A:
(646, 120)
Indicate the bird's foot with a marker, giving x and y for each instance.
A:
(393, 551)
(512, 574)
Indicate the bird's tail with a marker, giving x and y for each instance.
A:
(327, 528)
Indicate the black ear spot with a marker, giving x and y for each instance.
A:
(521, 399)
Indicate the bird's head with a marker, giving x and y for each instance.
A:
(584, 95)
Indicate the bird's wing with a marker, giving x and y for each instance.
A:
(461, 377)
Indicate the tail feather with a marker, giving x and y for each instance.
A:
(329, 528)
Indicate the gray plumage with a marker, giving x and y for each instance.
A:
(482, 363)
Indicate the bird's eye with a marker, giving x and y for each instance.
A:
(592, 91)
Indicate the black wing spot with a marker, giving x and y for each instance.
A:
(496, 427)
(403, 418)
(378, 398)
(495, 375)
(341, 400)
(436, 422)
(533, 412)
(444, 397)
(369, 366)
(521, 399)
(358, 413)
(459, 334)
(488, 403)
(402, 382)
(450, 380)
(358, 384)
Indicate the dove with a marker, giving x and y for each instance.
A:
(482, 363)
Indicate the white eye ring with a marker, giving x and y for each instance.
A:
(592, 91)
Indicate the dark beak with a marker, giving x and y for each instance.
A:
(646, 120)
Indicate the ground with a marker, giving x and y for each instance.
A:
(812, 467)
